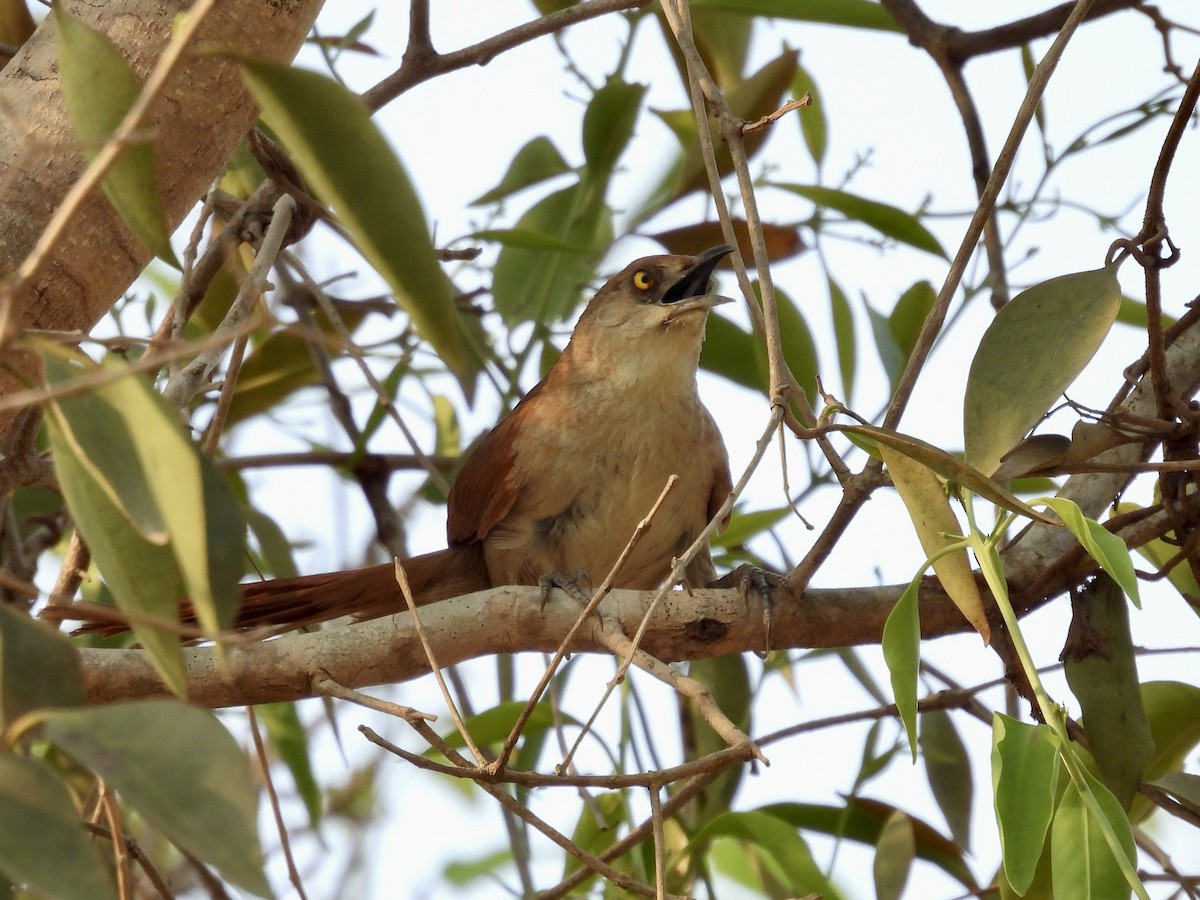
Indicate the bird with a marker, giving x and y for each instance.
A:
(558, 487)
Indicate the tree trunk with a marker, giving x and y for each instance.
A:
(196, 123)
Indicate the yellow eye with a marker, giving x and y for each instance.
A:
(643, 280)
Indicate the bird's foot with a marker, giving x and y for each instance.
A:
(767, 585)
(567, 583)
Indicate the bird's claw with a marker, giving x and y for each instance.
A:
(753, 579)
(566, 583)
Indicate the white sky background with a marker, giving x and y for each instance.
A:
(456, 136)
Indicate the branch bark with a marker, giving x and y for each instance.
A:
(196, 124)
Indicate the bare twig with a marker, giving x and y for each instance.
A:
(285, 842)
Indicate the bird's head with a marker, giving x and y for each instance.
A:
(655, 306)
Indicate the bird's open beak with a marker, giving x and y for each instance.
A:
(690, 290)
(694, 281)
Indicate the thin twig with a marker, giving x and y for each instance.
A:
(932, 326)
(588, 610)
(406, 590)
(285, 842)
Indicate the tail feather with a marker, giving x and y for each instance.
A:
(308, 599)
(363, 593)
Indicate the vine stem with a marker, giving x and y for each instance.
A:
(985, 552)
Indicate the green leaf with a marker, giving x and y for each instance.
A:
(1101, 669)
(538, 161)
(42, 841)
(1159, 553)
(598, 827)
(492, 726)
(1025, 767)
(1083, 864)
(901, 645)
(544, 284)
(732, 353)
(39, 669)
(944, 464)
(323, 126)
(890, 221)
(894, 857)
(1053, 329)
(745, 525)
(937, 528)
(289, 737)
(1185, 788)
(843, 334)
(814, 125)
(1173, 710)
(99, 87)
(851, 13)
(799, 348)
(785, 851)
(1101, 544)
(144, 577)
(181, 770)
(908, 315)
(948, 770)
(862, 820)
(608, 126)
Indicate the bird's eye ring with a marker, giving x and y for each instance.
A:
(643, 280)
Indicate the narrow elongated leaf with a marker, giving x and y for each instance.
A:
(814, 124)
(784, 849)
(937, 528)
(42, 841)
(1184, 787)
(851, 13)
(99, 88)
(543, 284)
(1052, 329)
(732, 353)
(1025, 767)
(191, 780)
(608, 126)
(901, 645)
(346, 160)
(1101, 544)
(894, 857)
(289, 737)
(1173, 711)
(39, 669)
(948, 769)
(843, 333)
(944, 464)
(537, 161)
(1101, 669)
(1083, 864)
(862, 820)
(888, 220)
(144, 577)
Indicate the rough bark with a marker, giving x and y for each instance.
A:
(196, 122)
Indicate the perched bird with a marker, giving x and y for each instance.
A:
(560, 484)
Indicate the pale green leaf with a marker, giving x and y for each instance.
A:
(901, 645)
(937, 528)
(1082, 862)
(1101, 545)
(888, 220)
(181, 770)
(851, 13)
(348, 163)
(1052, 329)
(537, 161)
(1025, 771)
(948, 770)
(783, 848)
(99, 87)
(894, 857)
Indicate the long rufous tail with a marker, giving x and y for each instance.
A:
(308, 599)
(363, 593)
